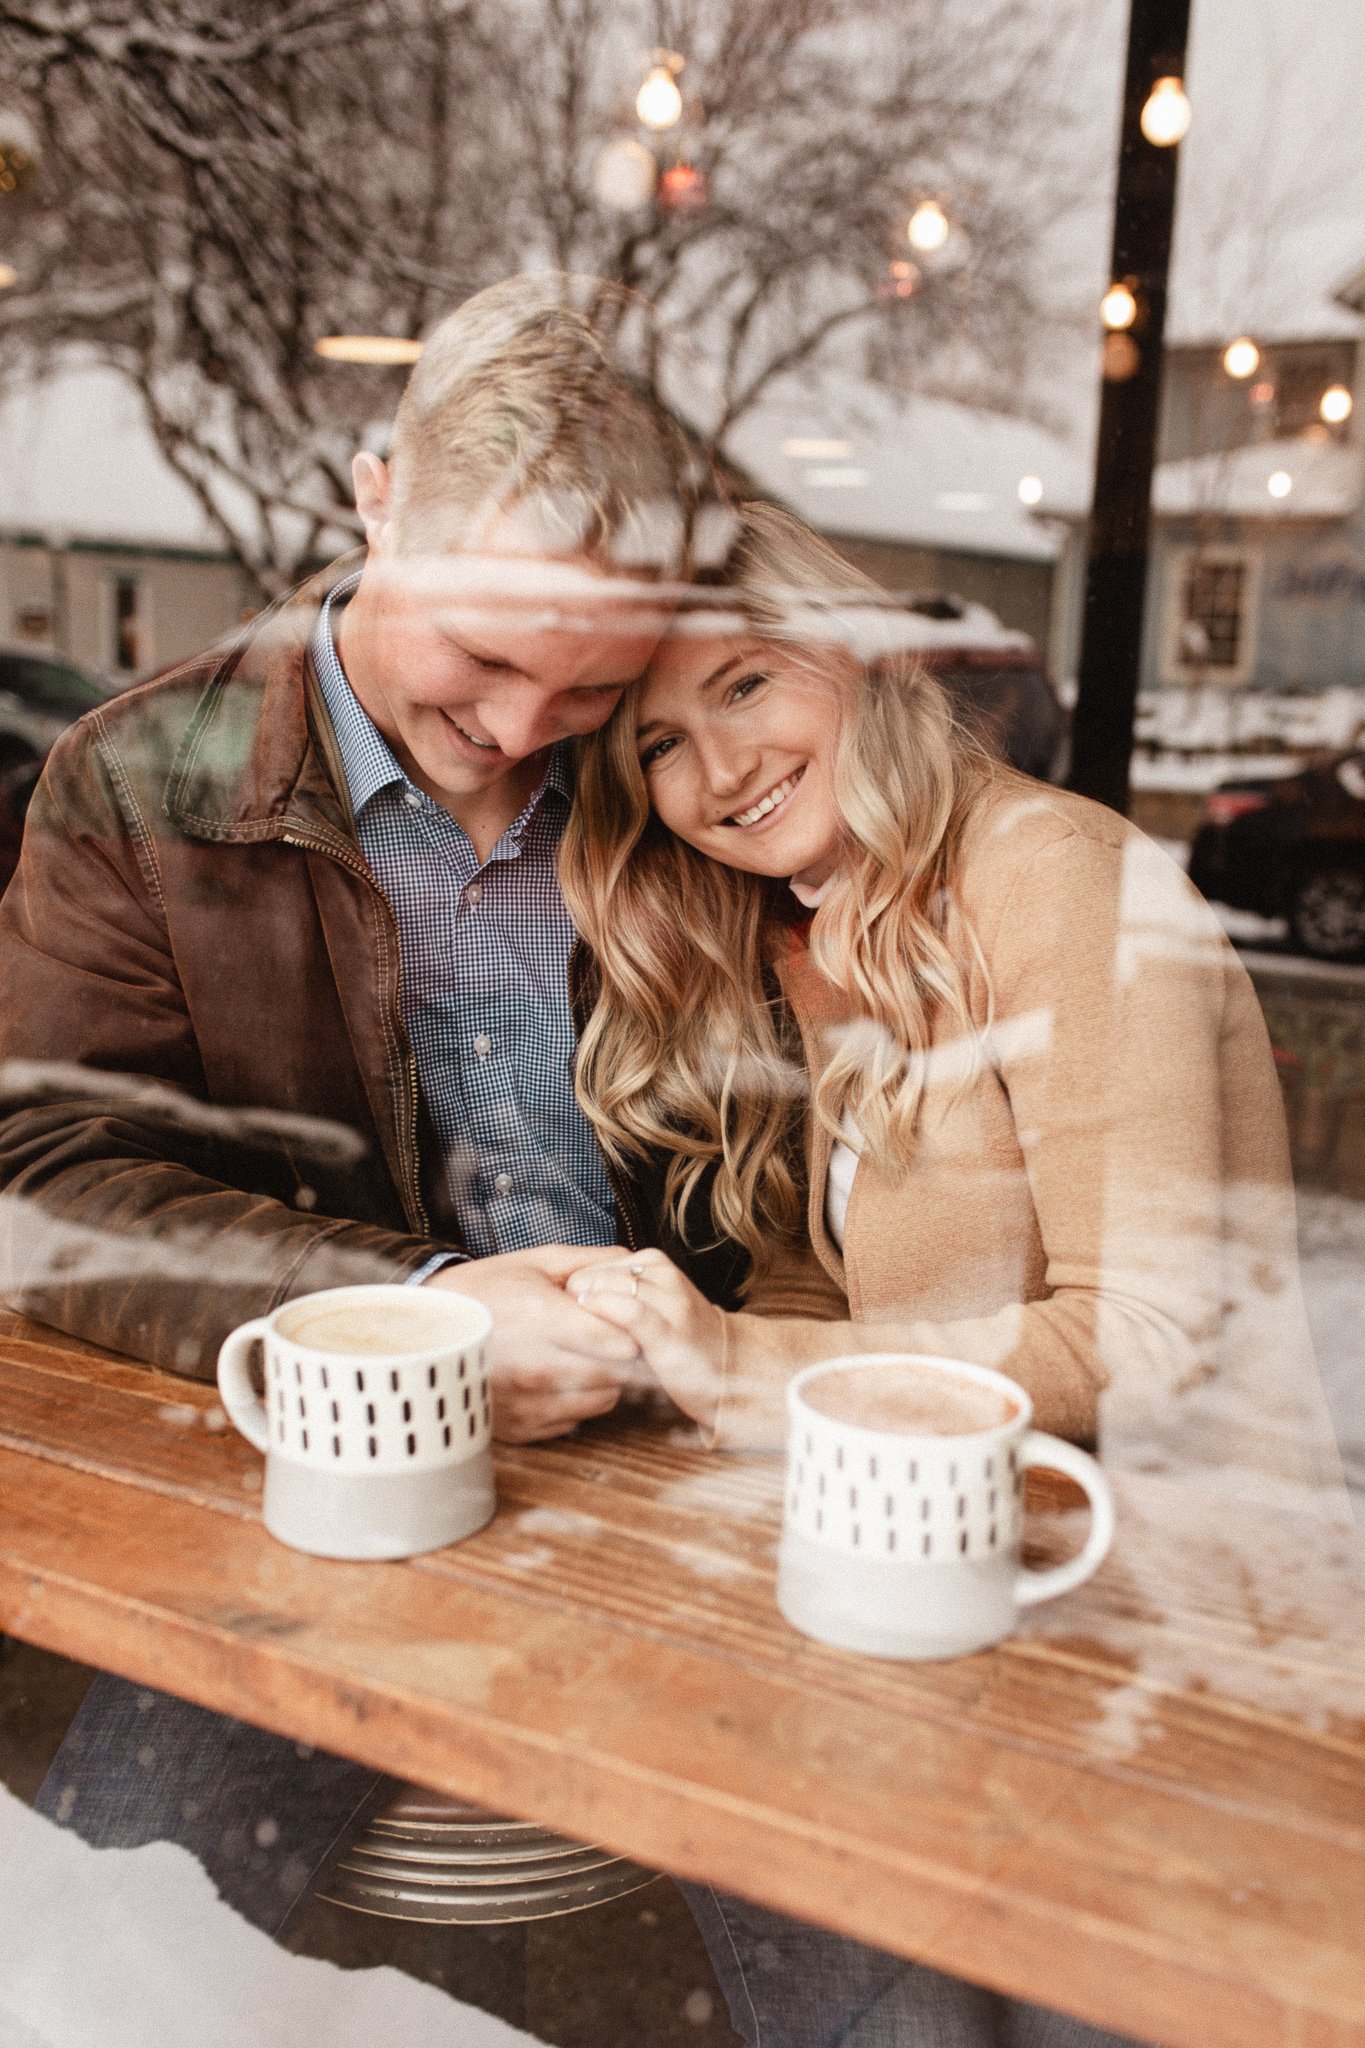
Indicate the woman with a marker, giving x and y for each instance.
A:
(989, 1031)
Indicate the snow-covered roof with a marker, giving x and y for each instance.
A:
(78, 463)
(922, 471)
(1324, 482)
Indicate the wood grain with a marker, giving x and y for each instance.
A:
(1148, 1810)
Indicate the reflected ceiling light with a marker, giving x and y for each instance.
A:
(1336, 404)
(1118, 307)
(810, 448)
(1165, 118)
(1030, 490)
(929, 228)
(841, 479)
(625, 175)
(1279, 483)
(659, 103)
(367, 348)
(1241, 358)
(8, 276)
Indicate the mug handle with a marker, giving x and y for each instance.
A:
(1038, 1448)
(244, 1405)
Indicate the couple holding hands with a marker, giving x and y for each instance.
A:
(586, 902)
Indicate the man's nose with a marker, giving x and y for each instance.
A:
(521, 725)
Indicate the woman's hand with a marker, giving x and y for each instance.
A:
(680, 1333)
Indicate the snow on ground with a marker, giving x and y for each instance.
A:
(113, 1948)
(1332, 1249)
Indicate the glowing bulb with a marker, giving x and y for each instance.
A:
(1279, 483)
(8, 276)
(1165, 119)
(1336, 404)
(658, 103)
(625, 175)
(929, 228)
(367, 348)
(1241, 358)
(1030, 490)
(1118, 307)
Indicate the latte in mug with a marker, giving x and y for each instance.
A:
(402, 1323)
(909, 1400)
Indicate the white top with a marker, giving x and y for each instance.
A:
(843, 1164)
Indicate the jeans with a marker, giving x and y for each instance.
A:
(268, 1817)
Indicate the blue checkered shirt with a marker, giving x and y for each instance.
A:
(485, 996)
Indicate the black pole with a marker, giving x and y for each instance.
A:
(1116, 567)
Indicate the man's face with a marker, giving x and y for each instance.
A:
(472, 663)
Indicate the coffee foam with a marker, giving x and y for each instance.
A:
(909, 1400)
(368, 1329)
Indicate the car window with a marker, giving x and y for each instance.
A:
(50, 685)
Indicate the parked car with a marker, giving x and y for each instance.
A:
(1292, 847)
(40, 694)
(996, 678)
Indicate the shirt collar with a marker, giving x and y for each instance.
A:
(367, 760)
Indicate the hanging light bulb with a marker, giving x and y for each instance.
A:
(1030, 490)
(659, 103)
(1165, 118)
(929, 227)
(1279, 483)
(1336, 405)
(1241, 358)
(625, 175)
(1119, 307)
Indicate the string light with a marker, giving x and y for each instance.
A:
(1165, 118)
(1241, 358)
(367, 348)
(8, 276)
(1030, 490)
(1279, 483)
(929, 227)
(659, 103)
(1118, 307)
(1336, 405)
(625, 175)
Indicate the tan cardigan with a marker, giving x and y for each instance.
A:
(1099, 1194)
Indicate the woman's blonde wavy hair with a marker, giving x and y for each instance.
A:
(688, 1049)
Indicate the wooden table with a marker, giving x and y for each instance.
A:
(1147, 1809)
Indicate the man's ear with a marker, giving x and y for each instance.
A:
(371, 479)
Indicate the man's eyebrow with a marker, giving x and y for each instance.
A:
(717, 675)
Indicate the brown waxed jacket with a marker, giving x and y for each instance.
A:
(208, 1100)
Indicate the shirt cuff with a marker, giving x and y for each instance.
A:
(433, 1265)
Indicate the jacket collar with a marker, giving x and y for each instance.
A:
(253, 761)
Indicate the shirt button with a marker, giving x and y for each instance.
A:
(413, 799)
(474, 893)
(503, 1183)
(483, 1044)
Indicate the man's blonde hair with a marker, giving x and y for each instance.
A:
(524, 396)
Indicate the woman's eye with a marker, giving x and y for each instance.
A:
(745, 687)
(653, 755)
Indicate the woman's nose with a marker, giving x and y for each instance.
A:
(726, 764)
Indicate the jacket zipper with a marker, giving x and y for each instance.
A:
(340, 852)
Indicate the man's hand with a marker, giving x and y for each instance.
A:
(551, 1363)
(680, 1333)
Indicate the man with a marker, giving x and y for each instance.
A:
(286, 976)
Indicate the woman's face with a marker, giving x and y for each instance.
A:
(737, 741)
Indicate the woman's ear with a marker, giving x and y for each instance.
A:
(372, 490)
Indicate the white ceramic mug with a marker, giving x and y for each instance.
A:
(375, 1423)
(904, 1542)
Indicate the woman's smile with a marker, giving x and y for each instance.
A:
(767, 806)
